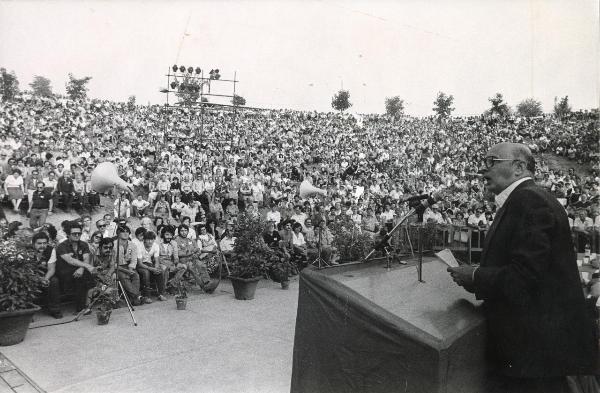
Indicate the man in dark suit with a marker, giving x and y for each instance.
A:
(538, 328)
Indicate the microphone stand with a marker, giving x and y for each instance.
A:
(387, 237)
(118, 285)
(319, 261)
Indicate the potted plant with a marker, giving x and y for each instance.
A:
(181, 297)
(280, 268)
(351, 243)
(107, 299)
(251, 255)
(20, 282)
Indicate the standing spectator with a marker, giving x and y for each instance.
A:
(40, 206)
(66, 190)
(14, 188)
(31, 182)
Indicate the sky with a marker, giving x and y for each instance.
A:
(298, 54)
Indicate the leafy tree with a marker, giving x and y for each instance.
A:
(341, 100)
(499, 107)
(562, 107)
(9, 84)
(238, 100)
(131, 102)
(529, 107)
(394, 106)
(41, 86)
(443, 104)
(188, 91)
(77, 88)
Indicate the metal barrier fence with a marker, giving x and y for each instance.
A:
(438, 237)
(466, 239)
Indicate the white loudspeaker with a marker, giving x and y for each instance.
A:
(307, 189)
(106, 176)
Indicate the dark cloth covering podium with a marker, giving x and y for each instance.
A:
(364, 329)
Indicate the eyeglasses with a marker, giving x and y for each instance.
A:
(489, 161)
(75, 233)
(102, 225)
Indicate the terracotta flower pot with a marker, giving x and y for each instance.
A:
(244, 288)
(103, 316)
(14, 325)
(181, 302)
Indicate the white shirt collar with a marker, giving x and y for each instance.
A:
(503, 196)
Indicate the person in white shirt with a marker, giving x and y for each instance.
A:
(148, 265)
(274, 215)
(477, 220)
(139, 206)
(299, 216)
(227, 243)
(433, 215)
(299, 247)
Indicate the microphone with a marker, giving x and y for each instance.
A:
(414, 198)
(420, 207)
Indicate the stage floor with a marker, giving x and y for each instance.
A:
(218, 344)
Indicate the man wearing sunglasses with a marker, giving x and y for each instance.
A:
(73, 265)
(538, 328)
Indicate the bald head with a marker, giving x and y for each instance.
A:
(508, 162)
(517, 151)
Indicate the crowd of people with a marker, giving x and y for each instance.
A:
(195, 173)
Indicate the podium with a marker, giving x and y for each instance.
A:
(362, 328)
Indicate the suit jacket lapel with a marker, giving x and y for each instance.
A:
(498, 217)
(490, 232)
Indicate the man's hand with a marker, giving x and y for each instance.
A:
(91, 269)
(78, 273)
(45, 282)
(462, 275)
(131, 272)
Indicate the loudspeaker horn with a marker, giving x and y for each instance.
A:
(105, 176)
(307, 189)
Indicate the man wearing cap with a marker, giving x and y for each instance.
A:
(539, 330)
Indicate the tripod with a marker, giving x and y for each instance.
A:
(118, 284)
(105, 288)
(319, 261)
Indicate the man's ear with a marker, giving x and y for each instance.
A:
(521, 167)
